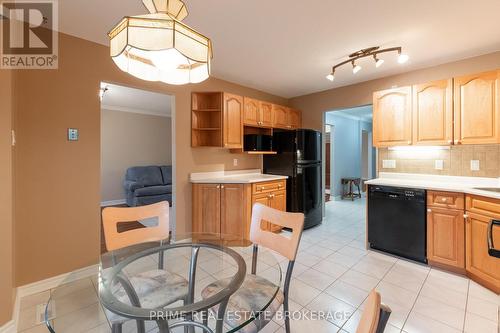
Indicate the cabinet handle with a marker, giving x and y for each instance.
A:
(218, 186)
(443, 199)
(222, 186)
(457, 142)
(466, 216)
(429, 210)
(409, 142)
(450, 141)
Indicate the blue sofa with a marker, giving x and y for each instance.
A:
(145, 185)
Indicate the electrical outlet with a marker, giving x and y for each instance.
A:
(389, 164)
(474, 165)
(235, 162)
(72, 134)
(438, 164)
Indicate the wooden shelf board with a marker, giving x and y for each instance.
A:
(207, 129)
(207, 110)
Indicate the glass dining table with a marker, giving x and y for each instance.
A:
(195, 282)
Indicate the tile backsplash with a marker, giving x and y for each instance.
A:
(455, 162)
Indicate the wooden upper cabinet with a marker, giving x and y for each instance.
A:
(251, 112)
(392, 117)
(233, 121)
(266, 114)
(280, 116)
(446, 237)
(477, 113)
(294, 118)
(433, 113)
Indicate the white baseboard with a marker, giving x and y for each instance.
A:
(113, 202)
(9, 327)
(41, 286)
(50, 283)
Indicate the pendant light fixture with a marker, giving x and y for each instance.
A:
(159, 47)
(368, 52)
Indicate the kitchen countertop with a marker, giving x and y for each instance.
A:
(439, 183)
(233, 177)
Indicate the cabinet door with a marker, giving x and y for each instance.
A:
(280, 116)
(263, 199)
(206, 208)
(446, 237)
(251, 112)
(433, 113)
(266, 114)
(294, 118)
(233, 121)
(232, 210)
(277, 201)
(479, 264)
(392, 117)
(477, 113)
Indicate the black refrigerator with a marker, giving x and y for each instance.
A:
(299, 157)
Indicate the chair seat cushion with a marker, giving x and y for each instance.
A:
(154, 288)
(248, 300)
(153, 190)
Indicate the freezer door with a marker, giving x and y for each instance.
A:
(308, 146)
(305, 193)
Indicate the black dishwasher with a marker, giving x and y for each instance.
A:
(397, 221)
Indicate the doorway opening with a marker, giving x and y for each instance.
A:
(136, 147)
(350, 158)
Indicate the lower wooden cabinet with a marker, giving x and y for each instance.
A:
(480, 266)
(446, 237)
(225, 209)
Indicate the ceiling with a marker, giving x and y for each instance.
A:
(120, 98)
(287, 47)
(363, 113)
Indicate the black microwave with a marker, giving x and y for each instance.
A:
(258, 142)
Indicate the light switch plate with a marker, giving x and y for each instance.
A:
(72, 134)
(389, 164)
(438, 164)
(474, 165)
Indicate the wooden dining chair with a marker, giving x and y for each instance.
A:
(375, 315)
(150, 289)
(256, 286)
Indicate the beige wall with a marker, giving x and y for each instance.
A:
(58, 216)
(314, 105)
(456, 161)
(131, 139)
(6, 203)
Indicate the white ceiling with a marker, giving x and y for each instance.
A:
(287, 47)
(120, 98)
(363, 113)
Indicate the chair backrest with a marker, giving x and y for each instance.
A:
(111, 216)
(371, 315)
(285, 246)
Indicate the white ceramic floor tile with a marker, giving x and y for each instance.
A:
(103, 328)
(81, 320)
(373, 267)
(352, 324)
(442, 293)
(338, 311)
(342, 259)
(483, 308)
(308, 259)
(302, 293)
(316, 279)
(406, 278)
(477, 324)
(347, 293)
(447, 280)
(332, 269)
(418, 323)
(481, 292)
(352, 252)
(359, 280)
(33, 300)
(440, 311)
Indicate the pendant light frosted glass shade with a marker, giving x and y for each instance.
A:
(158, 47)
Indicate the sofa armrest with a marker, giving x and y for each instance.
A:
(131, 186)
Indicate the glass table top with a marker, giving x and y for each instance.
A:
(199, 273)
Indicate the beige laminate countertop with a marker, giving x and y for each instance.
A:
(233, 177)
(466, 185)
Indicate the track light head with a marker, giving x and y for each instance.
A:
(331, 76)
(378, 62)
(355, 68)
(402, 58)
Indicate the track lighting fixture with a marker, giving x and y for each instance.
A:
(368, 52)
(355, 68)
